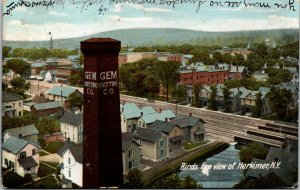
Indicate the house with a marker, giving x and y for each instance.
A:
(12, 104)
(154, 143)
(293, 88)
(71, 126)
(174, 132)
(28, 133)
(260, 76)
(130, 114)
(147, 119)
(237, 72)
(47, 109)
(131, 152)
(63, 74)
(73, 164)
(36, 68)
(248, 98)
(192, 128)
(41, 98)
(61, 93)
(21, 156)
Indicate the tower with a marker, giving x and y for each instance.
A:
(102, 143)
(51, 42)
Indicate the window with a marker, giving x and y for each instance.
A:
(20, 104)
(20, 113)
(73, 137)
(33, 152)
(161, 152)
(131, 164)
(6, 161)
(28, 169)
(140, 123)
(161, 143)
(69, 160)
(22, 154)
(69, 172)
(13, 105)
(130, 153)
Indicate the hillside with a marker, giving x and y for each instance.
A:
(148, 37)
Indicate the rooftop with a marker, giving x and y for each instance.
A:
(14, 144)
(162, 126)
(25, 131)
(10, 97)
(47, 105)
(186, 121)
(64, 91)
(147, 134)
(127, 139)
(72, 118)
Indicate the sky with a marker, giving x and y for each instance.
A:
(72, 18)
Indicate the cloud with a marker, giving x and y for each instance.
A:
(57, 14)
(117, 8)
(158, 10)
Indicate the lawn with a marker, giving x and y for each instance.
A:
(190, 145)
(47, 183)
(53, 147)
(45, 170)
(42, 153)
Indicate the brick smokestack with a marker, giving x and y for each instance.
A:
(102, 143)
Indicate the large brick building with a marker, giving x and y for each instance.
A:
(210, 74)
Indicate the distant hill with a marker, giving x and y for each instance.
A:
(158, 36)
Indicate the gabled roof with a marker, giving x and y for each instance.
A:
(33, 65)
(10, 97)
(147, 110)
(40, 99)
(64, 148)
(130, 111)
(147, 134)
(25, 131)
(150, 118)
(127, 139)
(65, 91)
(72, 118)
(47, 105)
(14, 144)
(77, 152)
(162, 126)
(186, 121)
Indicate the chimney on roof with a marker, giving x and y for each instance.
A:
(123, 103)
(190, 114)
(159, 110)
(141, 114)
(166, 119)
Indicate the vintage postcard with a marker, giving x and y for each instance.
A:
(155, 94)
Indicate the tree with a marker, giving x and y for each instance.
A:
(227, 103)
(76, 100)
(256, 112)
(19, 66)
(212, 98)
(19, 85)
(196, 90)
(5, 51)
(152, 84)
(190, 183)
(261, 50)
(171, 182)
(134, 179)
(12, 180)
(179, 93)
(279, 101)
(47, 125)
(167, 73)
(254, 150)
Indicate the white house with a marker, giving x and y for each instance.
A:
(130, 114)
(21, 156)
(71, 126)
(12, 104)
(72, 164)
(28, 133)
(61, 93)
